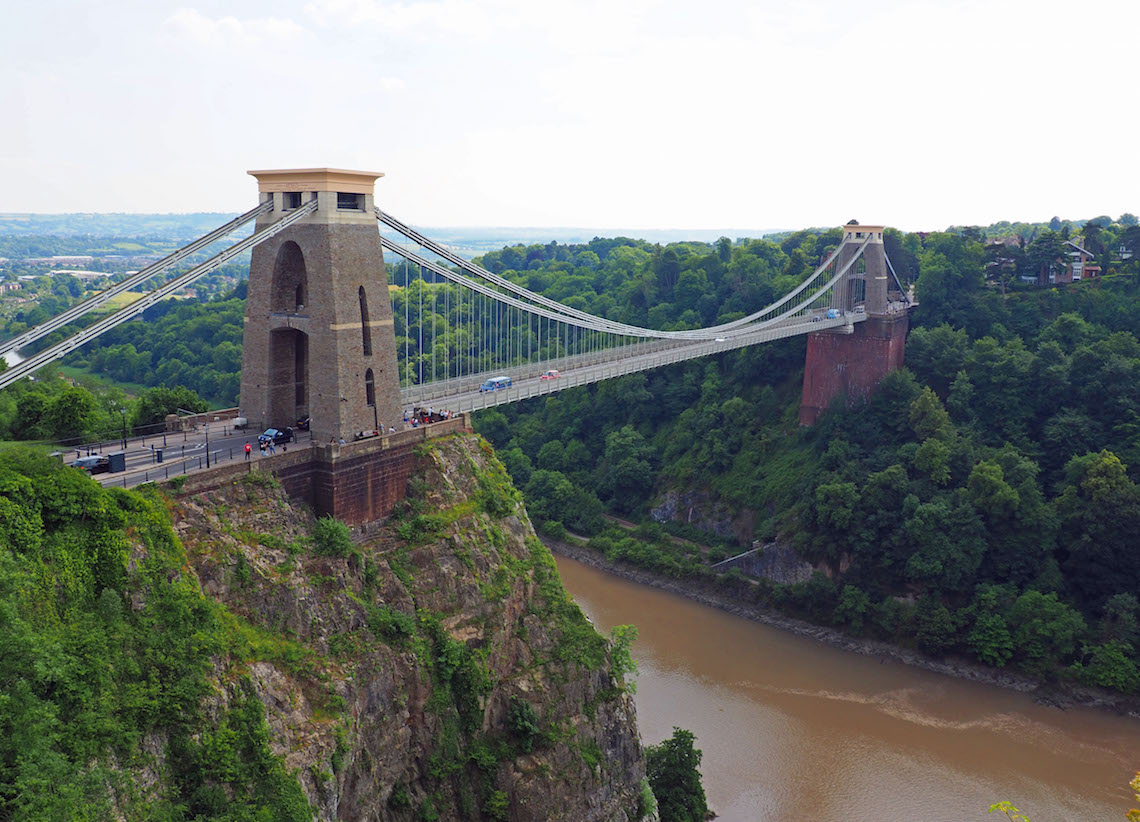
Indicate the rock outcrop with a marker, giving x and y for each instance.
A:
(435, 669)
(705, 511)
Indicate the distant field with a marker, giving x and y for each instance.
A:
(131, 388)
(120, 300)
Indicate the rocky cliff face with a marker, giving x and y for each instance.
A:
(703, 510)
(434, 670)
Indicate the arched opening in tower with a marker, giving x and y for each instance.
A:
(366, 329)
(288, 376)
(290, 288)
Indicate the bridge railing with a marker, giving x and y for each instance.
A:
(428, 391)
(575, 377)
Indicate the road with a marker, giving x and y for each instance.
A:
(464, 395)
(182, 452)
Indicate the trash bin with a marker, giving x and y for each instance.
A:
(118, 461)
(158, 455)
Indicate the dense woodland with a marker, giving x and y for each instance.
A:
(981, 504)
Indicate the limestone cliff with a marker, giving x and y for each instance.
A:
(431, 669)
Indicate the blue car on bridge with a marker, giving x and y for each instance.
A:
(495, 383)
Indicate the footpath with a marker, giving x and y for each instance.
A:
(1060, 695)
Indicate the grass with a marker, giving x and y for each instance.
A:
(76, 373)
(120, 300)
(9, 445)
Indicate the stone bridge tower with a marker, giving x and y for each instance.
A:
(852, 361)
(318, 337)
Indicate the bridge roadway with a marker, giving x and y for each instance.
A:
(463, 394)
(183, 453)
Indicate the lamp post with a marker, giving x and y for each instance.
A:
(123, 412)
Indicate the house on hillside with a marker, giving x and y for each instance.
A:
(1081, 265)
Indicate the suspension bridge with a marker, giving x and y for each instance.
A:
(328, 334)
(461, 324)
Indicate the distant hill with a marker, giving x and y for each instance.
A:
(165, 226)
(468, 241)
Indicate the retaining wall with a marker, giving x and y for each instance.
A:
(358, 483)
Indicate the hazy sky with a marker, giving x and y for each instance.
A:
(617, 113)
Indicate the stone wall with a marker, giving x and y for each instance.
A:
(358, 483)
(850, 365)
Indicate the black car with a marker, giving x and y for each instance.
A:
(94, 464)
(277, 435)
(303, 423)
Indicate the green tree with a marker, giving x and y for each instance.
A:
(155, 403)
(1109, 665)
(989, 638)
(852, 609)
(625, 473)
(936, 628)
(1100, 515)
(72, 413)
(494, 426)
(959, 402)
(928, 417)
(1045, 631)
(673, 768)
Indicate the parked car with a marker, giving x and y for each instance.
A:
(94, 464)
(552, 374)
(303, 423)
(495, 383)
(240, 423)
(276, 435)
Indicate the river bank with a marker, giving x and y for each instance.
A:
(1060, 695)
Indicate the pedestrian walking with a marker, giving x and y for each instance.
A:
(248, 450)
(261, 447)
(272, 446)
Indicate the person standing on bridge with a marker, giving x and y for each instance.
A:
(248, 451)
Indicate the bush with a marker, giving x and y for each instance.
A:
(674, 776)
(523, 722)
(555, 529)
(331, 538)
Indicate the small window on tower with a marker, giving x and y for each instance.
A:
(349, 202)
(291, 199)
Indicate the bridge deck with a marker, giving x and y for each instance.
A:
(463, 394)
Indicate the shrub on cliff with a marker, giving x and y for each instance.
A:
(674, 776)
(331, 538)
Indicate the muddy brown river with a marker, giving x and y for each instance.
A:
(794, 730)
